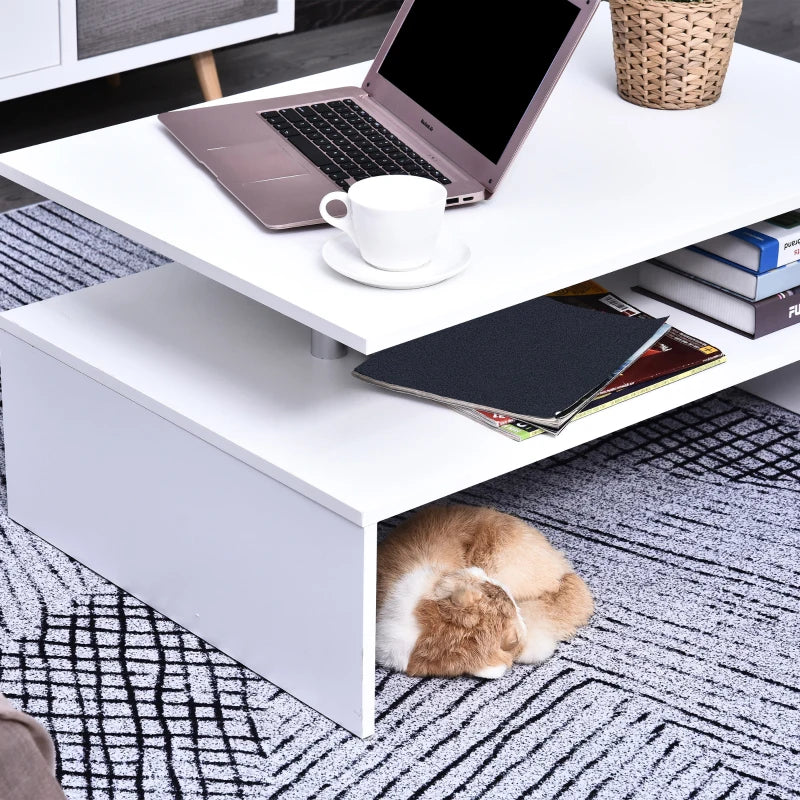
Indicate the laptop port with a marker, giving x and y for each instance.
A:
(466, 199)
(451, 201)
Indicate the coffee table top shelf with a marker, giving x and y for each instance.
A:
(600, 184)
(239, 376)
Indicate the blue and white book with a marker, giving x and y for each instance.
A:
(760, 247)
(732, 276)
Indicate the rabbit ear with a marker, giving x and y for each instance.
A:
(465, 596)
(510, 640)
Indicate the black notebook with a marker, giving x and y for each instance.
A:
(541, 361)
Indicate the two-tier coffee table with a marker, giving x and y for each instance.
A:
(187, 395)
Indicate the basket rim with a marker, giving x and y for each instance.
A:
(677, 6)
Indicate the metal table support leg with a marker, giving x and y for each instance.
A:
(323, 346)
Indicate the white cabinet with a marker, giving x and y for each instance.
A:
(29, 36)
(50, 43)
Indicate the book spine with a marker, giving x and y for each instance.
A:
(778, 280)
(768, 247)
(775, 250)
(777, 312)
(789, 248)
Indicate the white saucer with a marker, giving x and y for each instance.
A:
(450, 257)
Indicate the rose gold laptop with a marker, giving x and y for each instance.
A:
(451, 95)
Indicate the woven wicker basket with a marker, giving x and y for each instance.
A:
(673, 54)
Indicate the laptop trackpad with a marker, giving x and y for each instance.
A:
(286, 202)
(255, 161)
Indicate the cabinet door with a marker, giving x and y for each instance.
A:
(105, 26)
(29, 36)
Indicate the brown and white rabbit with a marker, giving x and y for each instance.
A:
(465, 590)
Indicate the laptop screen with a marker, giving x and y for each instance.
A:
(476, 66)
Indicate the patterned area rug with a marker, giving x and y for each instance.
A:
(685, 685)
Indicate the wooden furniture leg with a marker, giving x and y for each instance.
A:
(206, 69)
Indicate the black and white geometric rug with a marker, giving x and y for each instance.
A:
(685, 685)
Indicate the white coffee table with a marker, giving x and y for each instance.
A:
(262, 471)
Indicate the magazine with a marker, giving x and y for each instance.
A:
(676, 355)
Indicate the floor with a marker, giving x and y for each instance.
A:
(702, 721)
(771, 25)
(684, 686)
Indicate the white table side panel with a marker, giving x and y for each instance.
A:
(269, 577)
(241, 377)
(220, 351)
(570, 208)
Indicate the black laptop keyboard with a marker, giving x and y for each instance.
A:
(347, 143)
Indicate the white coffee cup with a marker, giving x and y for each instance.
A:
(394, 220)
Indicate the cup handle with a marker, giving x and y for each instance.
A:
(343, 223)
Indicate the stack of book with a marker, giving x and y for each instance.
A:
(747, 280)
(537, 366)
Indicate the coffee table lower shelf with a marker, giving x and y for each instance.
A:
(179, 439)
